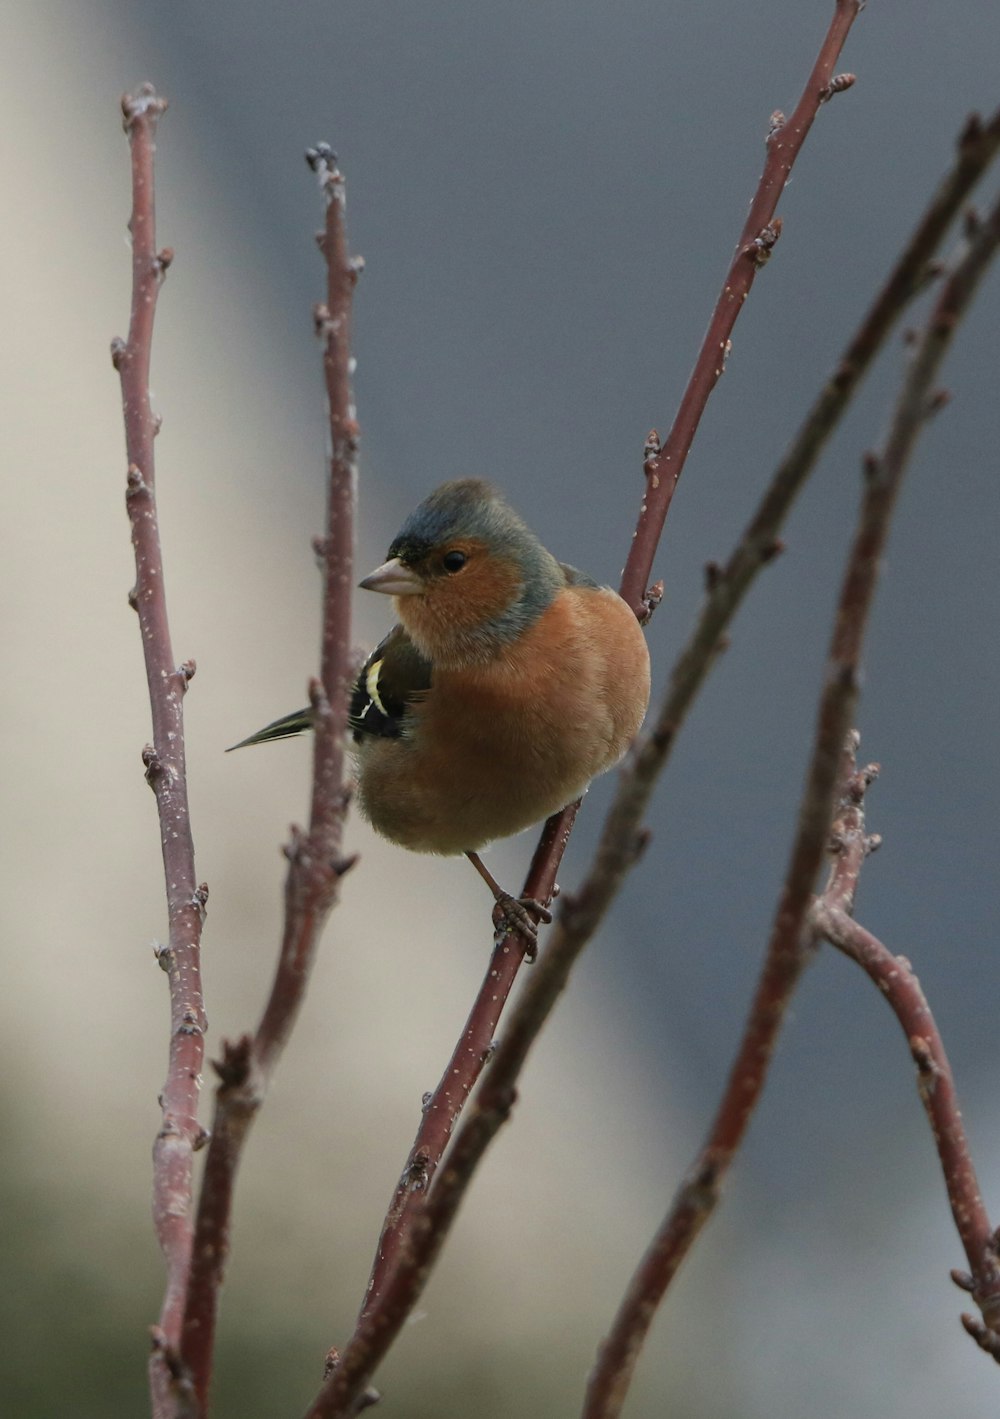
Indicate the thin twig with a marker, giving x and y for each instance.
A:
(406, 1226)
(977, 147)
(897, 982)
(728, 585)
(830, 919)
(895, 979)
(442, 1109)
(316, 866)
(663, 466)
(790, 939)
(180, 1132)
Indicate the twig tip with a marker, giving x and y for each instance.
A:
(323, 162)
(143, 101)
(321, 155)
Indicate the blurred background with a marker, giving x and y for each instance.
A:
(547, 198)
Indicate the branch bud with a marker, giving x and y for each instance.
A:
(764, 242)
(837, 85)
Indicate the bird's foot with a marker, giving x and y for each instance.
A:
(520, 914)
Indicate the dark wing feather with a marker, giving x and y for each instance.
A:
(393, 676)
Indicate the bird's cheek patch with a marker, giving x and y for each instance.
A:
(485, 591)
(458, 610)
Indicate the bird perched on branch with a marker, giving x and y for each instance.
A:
(510, 681)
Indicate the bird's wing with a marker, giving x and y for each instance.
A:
(393, 677)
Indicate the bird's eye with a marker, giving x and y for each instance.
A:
(454, 560)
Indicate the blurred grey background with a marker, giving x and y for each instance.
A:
(547, 197)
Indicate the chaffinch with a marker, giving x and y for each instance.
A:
(510, 681)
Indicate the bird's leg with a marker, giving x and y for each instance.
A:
(512, 912)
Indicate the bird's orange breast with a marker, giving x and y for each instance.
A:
(496, 747)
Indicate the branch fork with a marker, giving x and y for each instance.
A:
(831, 920)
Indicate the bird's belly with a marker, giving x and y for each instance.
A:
(482, 790)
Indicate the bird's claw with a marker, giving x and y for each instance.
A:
(519, 914)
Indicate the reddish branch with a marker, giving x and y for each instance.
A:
(414, 1227)
(316, 865)
(791, 938)
(179, 1133)
(831, 919)
(977, 147)
(897, 982)
(463, 1069)
(761, 230)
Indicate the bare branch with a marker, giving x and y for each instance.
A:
(977, 147)
(760, 232)
(180, 1132)
(895, 979)
(790, 939)
(316, 865)
(443, 1108)
(831, 920)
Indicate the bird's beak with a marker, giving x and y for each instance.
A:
(394, 579)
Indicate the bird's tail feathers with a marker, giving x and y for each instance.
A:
(285, 728)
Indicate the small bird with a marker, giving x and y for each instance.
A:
(510, 681)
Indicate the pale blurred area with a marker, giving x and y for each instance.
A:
(532, 221)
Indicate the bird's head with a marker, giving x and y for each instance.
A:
(467, 575)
